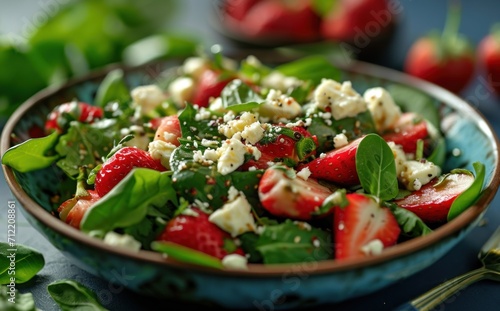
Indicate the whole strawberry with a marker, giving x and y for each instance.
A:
(489, 57)
(446, 60)
(197, 232)
(120, 164)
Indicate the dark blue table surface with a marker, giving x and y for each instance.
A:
(416, 18)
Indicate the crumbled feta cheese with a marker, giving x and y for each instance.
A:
(418, 173)
(231, 156)
(399, 157)
(278, 106)
(122, 240)
(202, 114)
(304, 173)
(384, 110)
(181, 90)
(148, 97)
(340, 140)
(342, 100)
(234, 217)
(374, 247)
(194, 66)
(235, 126)
(235, 261)
(232, 193)
(277, 80)
(160, 150)
(190, 212)
(253, 133)
(211, 155)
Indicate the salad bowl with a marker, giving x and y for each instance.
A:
(280, 286)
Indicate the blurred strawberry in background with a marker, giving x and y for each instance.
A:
(446, 59)
(489, 58)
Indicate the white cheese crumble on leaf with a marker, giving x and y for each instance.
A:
(340, 140)
(384, 110)
(234, 217)
(148, 97)
(278, 106)
(231, 156)
(160, 150)
(341, 99)
(418, 173)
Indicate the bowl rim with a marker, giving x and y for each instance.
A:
(260, 270)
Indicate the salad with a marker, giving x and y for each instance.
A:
(223, 164)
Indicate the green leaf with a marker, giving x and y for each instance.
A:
(238, 96)
(304, 147)
(337, 198)
(27, 263)
(469, 196)
(324, 7)
(187, 255)
(376, 167)
(86, 144)
(291, 242)
(314, 68)
(31, 154)
(410, 223)
(127, 203)
(410, 99)
(197, 129)
(71, 295)
(438, 155)
(112, 89)
(12, 300)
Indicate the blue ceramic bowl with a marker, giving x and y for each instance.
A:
(268, 287)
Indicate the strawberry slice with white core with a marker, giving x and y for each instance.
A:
(363, 227)
(283, 194)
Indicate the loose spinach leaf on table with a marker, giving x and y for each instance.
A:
(27, 262)
(71, 295)
(15, 301)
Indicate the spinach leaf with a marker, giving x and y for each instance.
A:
(112, 89)
(314, 68)
(376, 167)
(185, 254)
(127, 203)
(410, 99)
(438, 155)
(198, 129)
(28, 262)
(410, 223)
(71, 295)
(352, 128)
(86, 145)
(290, 242)
(238, 96)
(467, 198)
(31, 154)
(15, 301)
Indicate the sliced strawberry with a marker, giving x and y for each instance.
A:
(60, 117)
(338, 165)
(169, 130)
(210, 85)
(72, 211)
(286, 148)
(197, 232)
(360, 223)
(432, 202)
(120, 164)
(408, 130)
(290, 197)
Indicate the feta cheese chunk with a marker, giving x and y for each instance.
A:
(278, 81)
(384, 110)
(418, 173)
(234, 126)
(278, 106)
(160, 150)
(194, 66)
(181, 90)
(340, 140)
(234, 217)
(399, 157)
(235, 261)
(253, 133)
(374, 247)
(304, 173)
(231, 156)
(122, 240)
(148, 97)
(342, 100)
